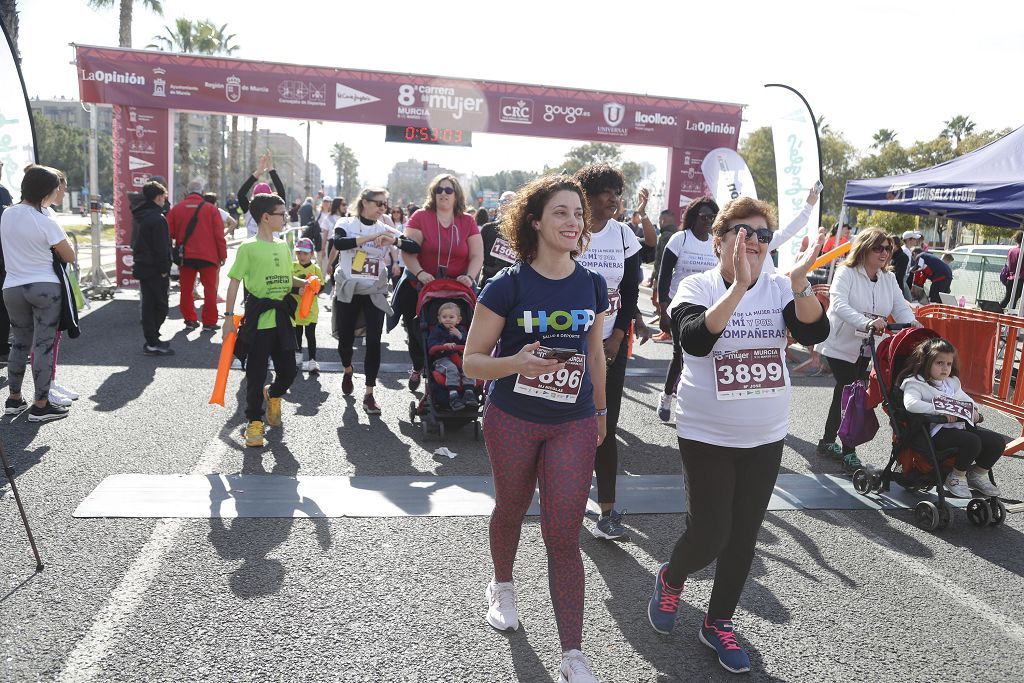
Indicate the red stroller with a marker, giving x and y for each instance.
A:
(436, 416)
(908, 466)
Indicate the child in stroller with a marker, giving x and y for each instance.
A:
(931, 386)
(447, 339)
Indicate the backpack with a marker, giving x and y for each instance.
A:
(312, 231)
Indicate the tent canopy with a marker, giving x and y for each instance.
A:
(985, 186)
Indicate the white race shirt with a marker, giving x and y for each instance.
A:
(607, 256)
(692, 256)
(372, 260)
(756, 323)
(27, 235)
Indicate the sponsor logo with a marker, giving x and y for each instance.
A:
(897, 192)
(344, 97)
(159, 84)
(614, 113)
(135, 163)
(643, 120)
(900, 192)
(542, 321)
(421, 101)
(233, 88)
(515, 110)
(123, 77)
(568, 114)
(710, 127)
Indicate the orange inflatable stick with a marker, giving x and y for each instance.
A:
(227, 352)
(308, 294)
(830, 256)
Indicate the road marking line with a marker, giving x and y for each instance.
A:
(946, 585)
(85, 661)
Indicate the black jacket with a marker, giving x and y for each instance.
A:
(151, 243)
(254, 308)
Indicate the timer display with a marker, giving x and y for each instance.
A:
(427, 135)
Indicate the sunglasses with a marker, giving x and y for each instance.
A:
(882, 248)
(444, 190)
(709, 217)
(764, 235)
(383, 203)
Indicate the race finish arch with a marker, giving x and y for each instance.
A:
(147, 87)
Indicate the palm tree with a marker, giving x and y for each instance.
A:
(191, 37)
(9, 17)
(823, 128)
(958, 128)
(883, 137)
(125, 24)
(345, 164)
(224, 46)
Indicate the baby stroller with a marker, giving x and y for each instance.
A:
(436, 416)
(908, 466)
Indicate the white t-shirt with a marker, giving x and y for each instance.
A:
(251, 227)
(373, 259)
(692, 256)
(27, 235)
(224, 216)
(756, 323)
(607, 256)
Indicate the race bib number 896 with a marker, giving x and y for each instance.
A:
(562, 386)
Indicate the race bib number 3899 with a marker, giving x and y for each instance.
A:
(749, 373)
(562, 386)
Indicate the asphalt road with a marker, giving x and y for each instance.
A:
(836, 596)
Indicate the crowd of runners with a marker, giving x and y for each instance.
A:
(558, 274)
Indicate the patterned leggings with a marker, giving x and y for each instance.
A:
(560, 457)
(35, 316)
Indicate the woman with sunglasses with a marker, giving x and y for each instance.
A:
(864, 293)
(450, 247)
(733, 411)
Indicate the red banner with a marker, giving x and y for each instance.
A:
(141, 143)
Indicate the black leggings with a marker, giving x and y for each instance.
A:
(675, 368)
(981, 447)
(1016, 294)
(407, 297)
(844, 373)
(727, 494)
(310, 329)
(606, 463)
(347, 315)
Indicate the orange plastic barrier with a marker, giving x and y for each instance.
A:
(227, 352)
(830, 256)
(990, 364)
(308, 294)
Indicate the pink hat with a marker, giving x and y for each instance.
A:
(261, 188)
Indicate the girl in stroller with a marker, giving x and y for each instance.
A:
(931, 386)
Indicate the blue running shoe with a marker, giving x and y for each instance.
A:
(610, 527)
(661, 610)
(721, 638)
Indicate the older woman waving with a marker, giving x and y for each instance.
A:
(732, 411)
(863, 294)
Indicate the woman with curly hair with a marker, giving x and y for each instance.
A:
(546, 410)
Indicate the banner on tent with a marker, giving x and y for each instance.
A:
(17, 143)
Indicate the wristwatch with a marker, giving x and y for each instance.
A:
(807, 291)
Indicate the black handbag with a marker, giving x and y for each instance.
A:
(178, 253)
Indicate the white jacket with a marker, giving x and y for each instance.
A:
(854, 301)
(918, 394)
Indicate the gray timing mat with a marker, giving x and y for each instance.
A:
(260, 495)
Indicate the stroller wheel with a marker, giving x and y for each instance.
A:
(876, 481)
(861, 481)
(926, 515)
(945, 517)
(978, 512)
(998, 511)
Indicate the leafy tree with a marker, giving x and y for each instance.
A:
(602, 153)
(64, 147)
(125, 22)
(958, 128)
(925, 154)
(346, 167)
(883, 137)
(890, 159)
(757, 150)
(223, 44)
(503, 181)
(892, 223)
(975, 141)
(9, 17)
(837, 167)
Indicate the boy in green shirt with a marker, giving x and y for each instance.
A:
(264, 265)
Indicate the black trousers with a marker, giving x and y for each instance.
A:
(346, 316)
(266, 347)
(606, 463)
(981, 447)
(844, 373)
(1015, 293)
(407, 297)
(153, 292)
(727, 494)
(939, 287)
(675, 368)
(310, 332)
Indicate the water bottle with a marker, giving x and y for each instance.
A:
(962, 302)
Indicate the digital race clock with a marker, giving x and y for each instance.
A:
(426, 135)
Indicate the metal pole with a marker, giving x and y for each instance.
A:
(97, 276)
(309, 129)
(9, 471)
(1016, 276)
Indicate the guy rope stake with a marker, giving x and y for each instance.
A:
(9, 471)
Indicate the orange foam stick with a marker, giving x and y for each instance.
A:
(312, 289)
(830, 256)
(227, 352)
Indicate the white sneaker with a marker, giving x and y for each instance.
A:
(979, 481)
(957, 486)
(501, 606)
(311, 365)
(575, 668)
(63, 391)
(59, 399)
(665, 407)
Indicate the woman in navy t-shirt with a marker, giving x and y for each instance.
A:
(545, 416)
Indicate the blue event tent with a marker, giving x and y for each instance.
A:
(985, 186)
